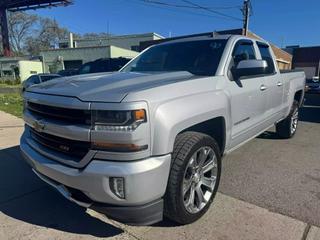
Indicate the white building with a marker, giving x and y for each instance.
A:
(19, 67)
(72, 53)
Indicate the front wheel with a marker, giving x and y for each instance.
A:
(194, 177)
(288, 127)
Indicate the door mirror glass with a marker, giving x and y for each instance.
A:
(250, 67)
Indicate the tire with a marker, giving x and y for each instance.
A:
(287, 128)
(178, 206)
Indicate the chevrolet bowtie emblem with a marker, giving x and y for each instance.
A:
(39, 125)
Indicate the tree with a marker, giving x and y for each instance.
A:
(47, 35)
(30, 34)
(21, 26)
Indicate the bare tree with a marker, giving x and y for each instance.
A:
(21, 26)
(47, 35)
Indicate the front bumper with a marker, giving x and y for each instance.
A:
(145, 183)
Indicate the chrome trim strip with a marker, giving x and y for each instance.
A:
(69, 131)
(56, 156)
(56, 101)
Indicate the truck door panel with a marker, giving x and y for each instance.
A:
(248, 102)
(274, 84)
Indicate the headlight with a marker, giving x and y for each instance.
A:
(118, 120)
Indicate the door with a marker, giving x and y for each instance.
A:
(274, 86)
(248, 98)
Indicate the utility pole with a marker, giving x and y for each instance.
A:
(4, 32)
(246, 13)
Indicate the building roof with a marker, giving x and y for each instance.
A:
(138, 35)
(75, 49)
(82, 48)
(13, 59)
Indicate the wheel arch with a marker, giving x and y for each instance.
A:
(298, 96)
(215, 128)
(206, 114)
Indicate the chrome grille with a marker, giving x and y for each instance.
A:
(69, 147)
(75, 116)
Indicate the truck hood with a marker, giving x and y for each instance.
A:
(107, 87)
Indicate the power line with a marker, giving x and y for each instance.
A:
(169, 8)
(247, 12)
(187, 6)
(211, 10)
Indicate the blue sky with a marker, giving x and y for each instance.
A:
(283, 22)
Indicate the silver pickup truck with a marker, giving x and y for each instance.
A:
(147, 141)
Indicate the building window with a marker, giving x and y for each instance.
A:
(64, 45)
(7, 73)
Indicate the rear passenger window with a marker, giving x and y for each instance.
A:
(243, 51)
(34, 79)
(266, 55)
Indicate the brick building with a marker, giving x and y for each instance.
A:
(307, 59)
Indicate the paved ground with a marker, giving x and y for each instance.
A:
(280, 175)
(270, 189)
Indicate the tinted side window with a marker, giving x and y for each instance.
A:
(47, 78)
(86, 68)
(34, 79)
(99, 66)
(266, 55)
(243, 51)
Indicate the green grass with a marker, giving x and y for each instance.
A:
(11, 103)
(5, 85)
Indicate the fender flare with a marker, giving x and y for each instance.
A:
(174, 116)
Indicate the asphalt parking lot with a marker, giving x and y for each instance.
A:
(270, 189)
(280, 175)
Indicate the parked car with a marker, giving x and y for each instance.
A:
(148, 140)
(38, 78)
(313, 85)
(103, 65)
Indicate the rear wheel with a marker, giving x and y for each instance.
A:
(194, 177)
(288, 127)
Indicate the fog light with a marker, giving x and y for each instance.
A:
(117, 186)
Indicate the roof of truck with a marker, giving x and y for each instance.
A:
(212, 36)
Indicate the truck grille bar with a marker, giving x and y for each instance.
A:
(64, 114)
(69, 147)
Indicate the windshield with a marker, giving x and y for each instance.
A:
(199, 57)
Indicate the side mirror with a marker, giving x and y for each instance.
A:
(250, 68)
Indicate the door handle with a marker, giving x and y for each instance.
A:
(263, 88)
(279, 84)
